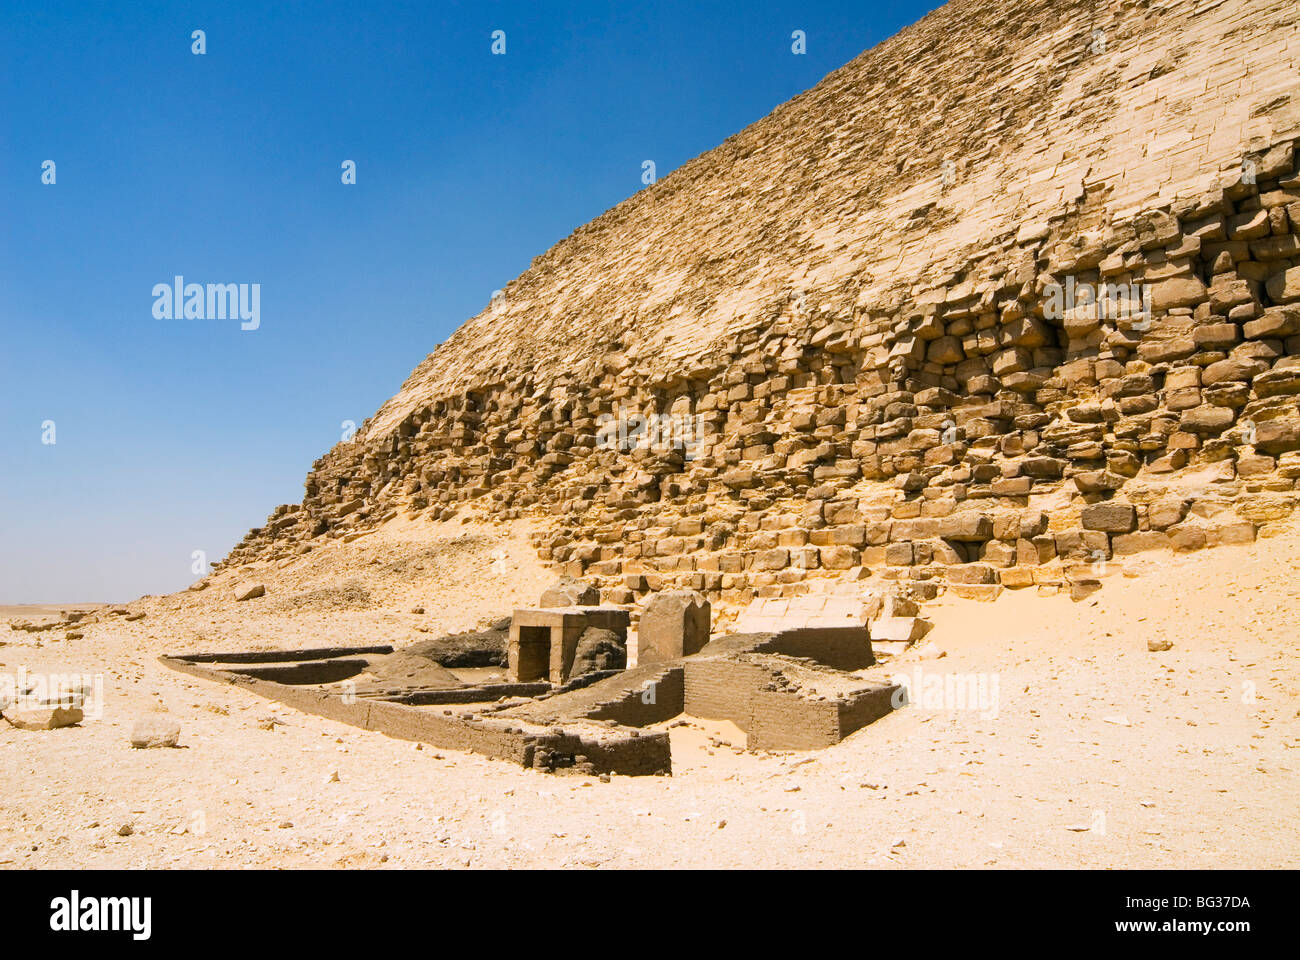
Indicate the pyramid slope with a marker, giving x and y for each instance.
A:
(850, 308)
(841, 190)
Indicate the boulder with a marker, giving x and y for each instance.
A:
(569, 592)
(598, 649)
(155, 731)
(249, 591)
(907, 630)
(44, 718)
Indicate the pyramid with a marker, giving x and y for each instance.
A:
(1008, 297)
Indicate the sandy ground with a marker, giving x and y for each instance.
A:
(1088, 750)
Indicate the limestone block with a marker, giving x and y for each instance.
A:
(675, 624)
(568, 592)
(155, 731)
(44, 718)
(1111, 516)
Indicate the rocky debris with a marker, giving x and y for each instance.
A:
(155, 731)
(406, 670)
(43, 717)
(351, 594)
(477, 648)
(250, 591)
(569, 592)
(896, 623)
(29, 626)
(1159, 646)
(598, 649)
(905, 630)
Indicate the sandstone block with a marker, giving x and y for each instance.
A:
(1278, 383)
(1165, 513)
(1017, 578)
(840, 557)
(1177, 292)
(1277, 436)
(1185, 538)
(1097, 481)
(1276, 323)
(1239, 369)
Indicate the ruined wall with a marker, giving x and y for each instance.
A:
(852, 308)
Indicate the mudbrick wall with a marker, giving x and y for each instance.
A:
(860, 328)
(629, 752)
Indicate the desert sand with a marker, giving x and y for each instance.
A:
(1099, 752)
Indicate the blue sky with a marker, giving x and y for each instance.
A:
(178, 435)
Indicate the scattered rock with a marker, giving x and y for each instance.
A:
(44, 718)
(249, 591)
(568, 592)
(155, 731)
(598, 649)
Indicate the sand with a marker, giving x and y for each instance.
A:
(1100, 753)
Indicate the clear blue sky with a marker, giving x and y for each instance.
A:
(178, 435)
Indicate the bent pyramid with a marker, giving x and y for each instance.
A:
(1014, 292)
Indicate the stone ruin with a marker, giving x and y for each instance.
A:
(791, 686)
